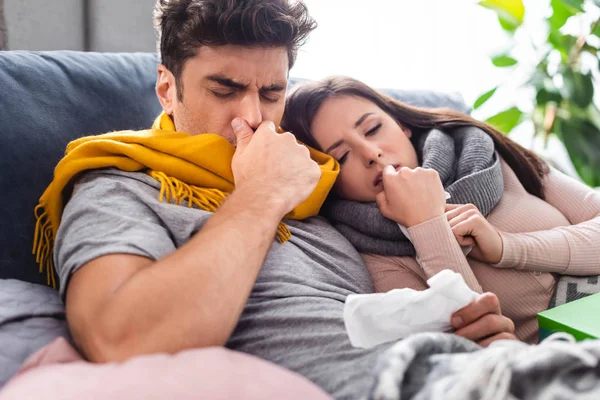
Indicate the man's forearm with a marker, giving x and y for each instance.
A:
(194, 297)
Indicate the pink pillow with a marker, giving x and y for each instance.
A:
(58, 372)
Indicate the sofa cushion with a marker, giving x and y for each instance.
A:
(49, 99)
(58, 372)
(428, 98)
(419, 98)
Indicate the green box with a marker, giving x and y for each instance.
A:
(580, 318)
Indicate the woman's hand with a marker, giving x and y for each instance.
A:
(411, 196)
(470, 228)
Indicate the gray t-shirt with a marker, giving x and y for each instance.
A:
(294, 314)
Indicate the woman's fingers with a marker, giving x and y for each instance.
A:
(459, 218)
(465, 240)
(454, 210)
(464, 228)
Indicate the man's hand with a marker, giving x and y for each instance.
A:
(273, 165)
(482, 321)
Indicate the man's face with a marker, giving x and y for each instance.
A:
(225, 82)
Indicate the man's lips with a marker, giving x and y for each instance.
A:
(379, 178)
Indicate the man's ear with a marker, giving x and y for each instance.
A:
(166, 89)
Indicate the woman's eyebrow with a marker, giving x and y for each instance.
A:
(362, 119)
(334, 146)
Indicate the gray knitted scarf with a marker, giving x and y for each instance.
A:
(469, 169)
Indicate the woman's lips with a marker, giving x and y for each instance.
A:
(379, 178)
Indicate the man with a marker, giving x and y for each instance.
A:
(140, 275)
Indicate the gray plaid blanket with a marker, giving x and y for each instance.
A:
(570, 288)
(448, 367)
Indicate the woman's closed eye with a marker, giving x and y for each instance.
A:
(343, 158)
(374, 130)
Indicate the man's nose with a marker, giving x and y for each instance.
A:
(250, 110)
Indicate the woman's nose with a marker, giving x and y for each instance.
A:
(374, 157)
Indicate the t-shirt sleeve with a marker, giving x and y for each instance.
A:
(108, 214)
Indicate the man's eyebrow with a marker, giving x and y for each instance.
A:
(225, 81)
(334, 146)
(362, 119)
(276, 87)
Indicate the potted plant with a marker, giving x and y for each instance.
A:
(562, 79)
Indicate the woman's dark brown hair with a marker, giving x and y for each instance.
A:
(305, 100)
(184, 26)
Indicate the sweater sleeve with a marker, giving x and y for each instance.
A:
(437, 249)
(390, 273)
(570, 250)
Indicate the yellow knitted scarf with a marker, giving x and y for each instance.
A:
(192, 169)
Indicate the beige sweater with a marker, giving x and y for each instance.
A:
(560, 235)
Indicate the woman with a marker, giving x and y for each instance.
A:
(513, 223)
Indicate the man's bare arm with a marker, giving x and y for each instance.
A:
(122, 305)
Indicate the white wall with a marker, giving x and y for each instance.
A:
(121, 25)
(44, 24)
(426, 44)
(114, 25)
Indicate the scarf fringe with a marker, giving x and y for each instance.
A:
(43, 244)
(210, 200)
(283, 233)
(175, 190)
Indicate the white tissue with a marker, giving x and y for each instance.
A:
(372, 319)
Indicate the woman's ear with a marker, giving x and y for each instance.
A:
(406, 130)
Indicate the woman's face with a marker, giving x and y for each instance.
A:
(364, 139)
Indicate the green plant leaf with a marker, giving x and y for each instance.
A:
(574, 4)
(578, 87)
(545, 95)
(593, 115)
(510, 12)
(509, 24)
(513, 7)
(590, 49)
(506, 120)
(503, 60)
(563, 43)
(539, 76)
(560, 41)
(597, 2)
(561, 12)
(582, 141)
(537, 80)
(483, 98)
(596, 30)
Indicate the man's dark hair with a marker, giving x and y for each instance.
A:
(183, 26)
